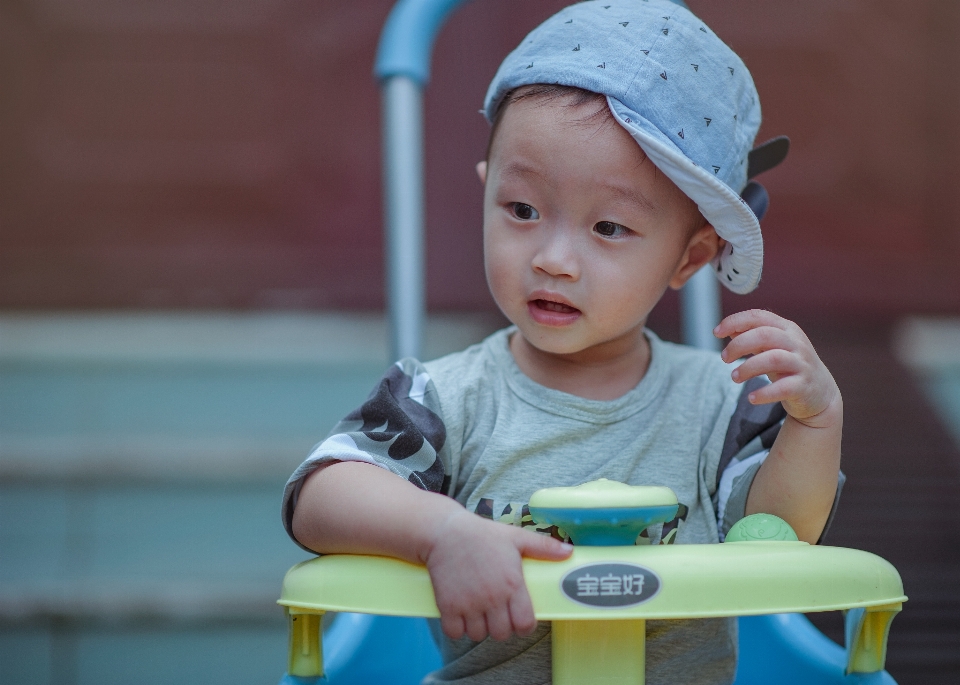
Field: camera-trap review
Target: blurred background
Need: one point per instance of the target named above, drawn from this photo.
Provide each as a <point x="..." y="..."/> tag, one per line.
<point x="191" y="294"/>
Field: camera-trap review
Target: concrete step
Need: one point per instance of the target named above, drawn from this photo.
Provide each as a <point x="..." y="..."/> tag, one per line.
<point x="230" y="654"/>
<point x="142" y="460"/>
<point x="221" y="397"/>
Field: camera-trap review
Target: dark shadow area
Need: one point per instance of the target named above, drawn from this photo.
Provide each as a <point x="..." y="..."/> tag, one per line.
<point x="901" y="500"/>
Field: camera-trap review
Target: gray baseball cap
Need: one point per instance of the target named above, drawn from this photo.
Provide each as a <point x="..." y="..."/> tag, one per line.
<point x="681" y="93"/>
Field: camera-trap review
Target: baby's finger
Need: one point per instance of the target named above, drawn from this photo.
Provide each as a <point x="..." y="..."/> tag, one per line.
<point x="521" y="613"/>
<point x="476" y="626"/>
<point x="735" y="324"/>
<point x="498" y="622"/>
<point x="540" y="546"/>
<point x="771" y="363"/>
<point x="757" y="340"/>
<point x="784" y="389"/>
<point x="452" y="625"/>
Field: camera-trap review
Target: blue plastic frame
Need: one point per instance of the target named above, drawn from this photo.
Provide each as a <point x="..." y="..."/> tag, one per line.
<point x="406" y="41"/>
<point x="785" y="649"/>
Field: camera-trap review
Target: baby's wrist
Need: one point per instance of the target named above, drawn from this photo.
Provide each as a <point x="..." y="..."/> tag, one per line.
<point x="829" y="417"/>
<point x="442" y="529"/>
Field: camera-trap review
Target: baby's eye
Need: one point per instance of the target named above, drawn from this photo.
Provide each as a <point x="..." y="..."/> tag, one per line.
<point x="608" y="229"/>
<point x="524" y="212"/>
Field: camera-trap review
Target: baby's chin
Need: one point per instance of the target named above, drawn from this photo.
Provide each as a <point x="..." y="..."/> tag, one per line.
<point x="548" y="343"/>
<point x="573" y="345"/>
<point x="558" y="343"/>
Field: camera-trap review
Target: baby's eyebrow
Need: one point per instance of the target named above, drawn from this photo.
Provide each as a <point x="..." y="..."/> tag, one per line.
<point x="519" y="170"/>
<point x="632" y="196"/>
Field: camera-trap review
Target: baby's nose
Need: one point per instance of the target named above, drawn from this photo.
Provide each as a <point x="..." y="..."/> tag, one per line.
<point x="557" y="256"/>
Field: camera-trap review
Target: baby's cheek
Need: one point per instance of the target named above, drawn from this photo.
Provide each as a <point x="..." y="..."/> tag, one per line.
<point x="502" y="269"/>
<point x="500" y="288"/>
<point x="632" y="307"/>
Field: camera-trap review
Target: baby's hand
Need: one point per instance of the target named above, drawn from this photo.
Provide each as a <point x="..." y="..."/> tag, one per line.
<point x="475" y="569"/>
<point x="781" y="350"/>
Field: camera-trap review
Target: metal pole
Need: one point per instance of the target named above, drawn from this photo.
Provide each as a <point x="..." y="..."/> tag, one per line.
<point x="700" y="310"/>
<point x="403" y="213"/>
<point x="403" y="69"/>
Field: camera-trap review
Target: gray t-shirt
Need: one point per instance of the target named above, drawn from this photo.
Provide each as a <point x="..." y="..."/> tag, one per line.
<point x="472" y="426"/>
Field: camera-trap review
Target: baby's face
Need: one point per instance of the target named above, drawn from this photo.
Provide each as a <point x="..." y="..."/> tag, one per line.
<point x="582" y="233"/>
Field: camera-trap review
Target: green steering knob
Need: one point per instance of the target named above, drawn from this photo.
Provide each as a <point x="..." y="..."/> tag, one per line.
<point x="761" y="528"/>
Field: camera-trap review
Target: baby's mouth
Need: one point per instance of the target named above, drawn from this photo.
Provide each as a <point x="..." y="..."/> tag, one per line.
<point x="550" y="306"/>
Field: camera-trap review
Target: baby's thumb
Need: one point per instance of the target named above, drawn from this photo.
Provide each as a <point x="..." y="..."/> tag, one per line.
<point x="539" y="546"/>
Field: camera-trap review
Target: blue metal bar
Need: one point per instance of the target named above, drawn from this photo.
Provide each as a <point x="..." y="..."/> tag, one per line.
<point x="406" y="42"/>
<point x="403" y="209"/>
<point x="403" y="68"/>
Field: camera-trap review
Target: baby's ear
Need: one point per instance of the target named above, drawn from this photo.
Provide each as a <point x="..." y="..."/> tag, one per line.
<point x="482" y="171"/>
<point x="703" y="246"/>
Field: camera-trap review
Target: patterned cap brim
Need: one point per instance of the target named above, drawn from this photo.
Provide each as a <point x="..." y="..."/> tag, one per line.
<point x="740" y="263"/>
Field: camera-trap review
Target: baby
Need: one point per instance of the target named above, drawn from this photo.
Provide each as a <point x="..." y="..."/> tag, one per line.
<point x="618" y="152"/>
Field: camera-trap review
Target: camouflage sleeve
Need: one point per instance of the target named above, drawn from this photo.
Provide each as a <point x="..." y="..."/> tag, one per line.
<point x="399" y="428"/>
<point x="750" y="435"/>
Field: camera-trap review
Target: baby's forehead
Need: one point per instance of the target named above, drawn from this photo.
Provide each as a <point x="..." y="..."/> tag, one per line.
<point x="553" y="105"/>
<point x="564" y="145"/>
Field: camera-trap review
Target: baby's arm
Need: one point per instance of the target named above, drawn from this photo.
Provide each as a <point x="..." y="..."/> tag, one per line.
<point x="474" y="563"/>
<point x="798" y="480"/>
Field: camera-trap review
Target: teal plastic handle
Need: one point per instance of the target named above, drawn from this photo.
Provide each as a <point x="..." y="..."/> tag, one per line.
<point x="602" y="527"/>
<point x="406" y="41"/>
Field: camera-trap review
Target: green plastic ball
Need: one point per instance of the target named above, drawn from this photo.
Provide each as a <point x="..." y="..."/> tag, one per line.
<point x="761" y="528"/>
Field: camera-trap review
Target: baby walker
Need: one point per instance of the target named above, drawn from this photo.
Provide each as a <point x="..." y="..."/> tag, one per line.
<point x="600" y="598"/>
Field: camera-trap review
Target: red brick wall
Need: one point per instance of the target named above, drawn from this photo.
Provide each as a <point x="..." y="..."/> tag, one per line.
<point x="185" y="153"/>
<point x="865" y="214"/>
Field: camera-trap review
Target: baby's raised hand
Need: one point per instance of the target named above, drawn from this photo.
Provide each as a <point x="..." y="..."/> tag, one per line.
<point x="781" y="350"/>
<point x="475" y="568"/>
